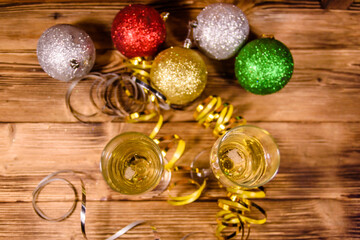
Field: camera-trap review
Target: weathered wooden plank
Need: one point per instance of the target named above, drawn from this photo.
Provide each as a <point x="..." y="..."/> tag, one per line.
<point x="355" y="6"/>
<point x="340" y="182"/>
<point x="287" y="219"/>
<point x="344" y="61"/>
<point x="319" y="95"/>
<point x="329" y="27"/>
<point x="318" y="160"/>
<point x="330" y="78"/>
<point x="314" y="119"/>
<point x="314" y="33"/>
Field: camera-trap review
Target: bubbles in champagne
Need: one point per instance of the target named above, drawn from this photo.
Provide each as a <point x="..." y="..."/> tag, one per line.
<point x="242" y="159"/>
<point x="132" y="166"/>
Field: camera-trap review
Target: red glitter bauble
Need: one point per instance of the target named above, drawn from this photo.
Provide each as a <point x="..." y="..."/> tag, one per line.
<point x="138" y="30"/>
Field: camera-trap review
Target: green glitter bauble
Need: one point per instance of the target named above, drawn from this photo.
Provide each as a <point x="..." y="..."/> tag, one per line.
<point x="264" y="66"/>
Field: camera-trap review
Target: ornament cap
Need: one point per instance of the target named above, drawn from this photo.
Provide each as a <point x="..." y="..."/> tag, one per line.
<point x="271" y="36"/>
<point x="165" y="16"/>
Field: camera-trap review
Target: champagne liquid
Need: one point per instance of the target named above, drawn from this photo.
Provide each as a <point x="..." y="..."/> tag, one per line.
<point x="242" y="160"/>
<point x="133" y="167"/>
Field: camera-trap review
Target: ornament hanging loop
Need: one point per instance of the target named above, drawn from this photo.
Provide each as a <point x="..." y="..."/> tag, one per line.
<point x="165" y="15"/>
<point x="190" y="26"/>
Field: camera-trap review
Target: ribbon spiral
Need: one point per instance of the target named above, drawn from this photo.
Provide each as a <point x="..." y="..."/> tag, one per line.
<point x="235" y="213"/>
<point x="54" y="177"/>
<point x="210" y="110"/>
<point x="213" y="112"/>
<point x="123" y="96"/>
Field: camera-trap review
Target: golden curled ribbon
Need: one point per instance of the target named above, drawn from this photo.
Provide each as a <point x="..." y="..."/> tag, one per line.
<point x="212" y="110"/>
<point x="54" y="177"/>
<point x="183" y="200"/>
<point x="171" y="166"/>
<point x="235" y="193"/>
<point x="119" y="64"/>
<point x="137" y="66"/>
<point x="172" y="140"/>
<point x="236" y="212"/>
<point x="228" y="219"/>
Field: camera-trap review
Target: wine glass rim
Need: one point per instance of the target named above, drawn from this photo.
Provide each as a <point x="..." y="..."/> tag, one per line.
<point x="273" y="141"/>
<point x="158" y="177"/>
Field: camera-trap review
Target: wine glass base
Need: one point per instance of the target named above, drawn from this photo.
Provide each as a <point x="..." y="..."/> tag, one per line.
<point x="200" y="166"/>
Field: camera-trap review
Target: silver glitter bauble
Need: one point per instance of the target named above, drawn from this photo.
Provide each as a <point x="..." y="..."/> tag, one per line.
<point x="66" y="52"/>
<point x="221" y="30"/>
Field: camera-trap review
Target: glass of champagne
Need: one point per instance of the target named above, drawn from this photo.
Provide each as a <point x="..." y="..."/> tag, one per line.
<point x="133" y="164"/>
<point x="245" y="156"/>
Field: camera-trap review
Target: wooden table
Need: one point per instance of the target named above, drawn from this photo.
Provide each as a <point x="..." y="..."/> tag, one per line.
<point x="315" y="120"/>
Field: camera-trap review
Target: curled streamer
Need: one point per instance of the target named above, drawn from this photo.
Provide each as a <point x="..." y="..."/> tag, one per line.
<point x="213" y="113"/>
<point x="118" y="63"/>
<point x="120" y="95"/>
<point x="54" y="177"/>
<point x="210" y="110"/>
<point x="235" y="213"/>
<point x="183" y="200"/>
<point x="171" y="166"/>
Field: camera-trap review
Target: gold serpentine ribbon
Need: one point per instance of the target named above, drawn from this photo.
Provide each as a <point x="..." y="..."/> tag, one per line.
<point x="152" y="96"/>
<point x="213" y="112"/>
<point x="183" y="200"/>
<point x="209" y="111"/>
<point x="171" y="166"/>
<point x="235" y="212"/>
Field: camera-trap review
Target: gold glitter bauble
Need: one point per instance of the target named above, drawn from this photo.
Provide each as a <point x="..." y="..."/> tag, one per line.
<point x="180" y="74"/>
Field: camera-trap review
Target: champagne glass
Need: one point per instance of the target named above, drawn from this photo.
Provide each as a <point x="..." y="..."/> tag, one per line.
<point x="133" y="164"/>
<point x="244" y="157"/>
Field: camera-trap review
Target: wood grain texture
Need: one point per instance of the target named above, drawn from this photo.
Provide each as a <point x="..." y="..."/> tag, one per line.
<point x="304" y="219"/>
<point x="336" y="4"/>
<point x="263" y="20"/>
<point x="314" y="119"/>
<point x="322" y="73"/>
<point x="319" y="162"/>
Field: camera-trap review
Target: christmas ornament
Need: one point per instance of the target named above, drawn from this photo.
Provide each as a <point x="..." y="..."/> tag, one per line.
<point x="221" y="29"/>
<point x="264" y="66"/>
<point x="66" y="52"/>
<point x="180" y="74"/>
<point x="138" y="30"/>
